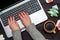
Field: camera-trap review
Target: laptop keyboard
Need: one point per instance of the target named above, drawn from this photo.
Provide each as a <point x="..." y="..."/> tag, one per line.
<point x="31" y="6"/>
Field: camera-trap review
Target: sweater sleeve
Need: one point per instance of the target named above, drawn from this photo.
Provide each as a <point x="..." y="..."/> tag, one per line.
<point x="16" y="35"/>
<point x="35" y="34"/>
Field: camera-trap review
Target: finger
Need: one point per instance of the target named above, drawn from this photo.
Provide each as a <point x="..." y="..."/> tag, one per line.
<point x="13" y="18"/>
<point x="19" y="14"/>
<point x="8" y="21"/>
<point x="21" y="18"/>
<point x="22" y="14"/>
<point x="27" y="14"/>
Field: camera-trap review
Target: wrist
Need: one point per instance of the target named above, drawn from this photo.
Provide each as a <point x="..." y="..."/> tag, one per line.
<point x="15" y="29"/>
<point x="31" y="25"/>
<point x="28" y="24"/>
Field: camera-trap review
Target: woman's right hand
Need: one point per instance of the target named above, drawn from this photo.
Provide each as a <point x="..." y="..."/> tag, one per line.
<point x="24" y="17"/>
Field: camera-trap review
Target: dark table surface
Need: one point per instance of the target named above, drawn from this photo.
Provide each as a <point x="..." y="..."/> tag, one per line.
<point x="25" y="34"/>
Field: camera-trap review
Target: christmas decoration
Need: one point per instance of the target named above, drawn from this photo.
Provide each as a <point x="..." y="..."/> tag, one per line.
<point x="53" y="11"/>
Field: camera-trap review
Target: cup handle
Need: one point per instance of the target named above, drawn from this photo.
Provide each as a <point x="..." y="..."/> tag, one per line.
<point x="54" y="32"/>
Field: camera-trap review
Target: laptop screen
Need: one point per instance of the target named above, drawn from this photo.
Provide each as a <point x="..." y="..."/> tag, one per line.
<point x="6" y="3"/>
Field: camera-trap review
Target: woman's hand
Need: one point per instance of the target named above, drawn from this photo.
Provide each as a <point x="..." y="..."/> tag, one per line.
<point x="24" y="17"/>
<point x="13" y="24"/>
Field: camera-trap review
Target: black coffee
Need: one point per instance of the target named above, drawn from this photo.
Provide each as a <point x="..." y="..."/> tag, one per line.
<point x="50" y="26"/>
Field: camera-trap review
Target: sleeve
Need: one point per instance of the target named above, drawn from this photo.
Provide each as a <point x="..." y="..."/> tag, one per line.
<point x="16" y="35"/>
<point x="35" y="34"/>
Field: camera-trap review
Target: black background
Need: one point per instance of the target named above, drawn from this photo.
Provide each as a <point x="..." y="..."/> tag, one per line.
<point x="7" y="3"/>
<point x="25" y="34"/>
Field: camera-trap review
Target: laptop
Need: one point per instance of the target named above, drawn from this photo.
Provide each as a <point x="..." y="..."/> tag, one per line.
<point x="12" y="8"/>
